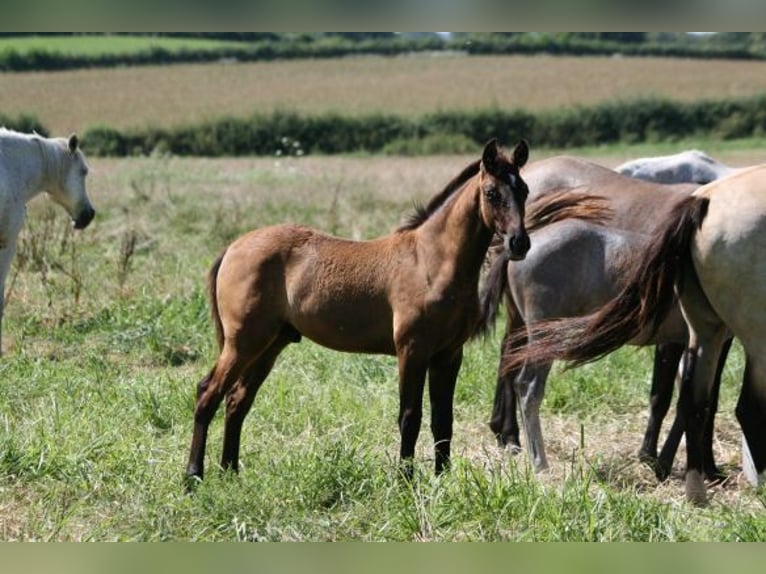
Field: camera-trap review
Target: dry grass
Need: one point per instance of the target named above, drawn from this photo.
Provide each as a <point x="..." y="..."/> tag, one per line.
<point x="414" y="84"/>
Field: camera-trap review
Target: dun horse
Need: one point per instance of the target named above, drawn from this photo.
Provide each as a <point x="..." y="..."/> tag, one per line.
<point x="30" y="164"/>
<point x="710" y="251"/>
<point x="412" y="294"/>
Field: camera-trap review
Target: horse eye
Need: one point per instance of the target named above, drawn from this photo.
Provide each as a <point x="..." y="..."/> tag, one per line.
<point x="493" y="196"/>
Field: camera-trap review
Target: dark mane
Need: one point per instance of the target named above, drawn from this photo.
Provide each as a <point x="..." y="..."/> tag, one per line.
<point x="422" y="213"/>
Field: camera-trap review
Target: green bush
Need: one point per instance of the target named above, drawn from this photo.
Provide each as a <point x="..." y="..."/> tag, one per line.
<point x="23" y="123"/>
<point x="289" y="133"/>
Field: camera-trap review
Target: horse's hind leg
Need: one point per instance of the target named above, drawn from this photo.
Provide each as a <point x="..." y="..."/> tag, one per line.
<point x="668" y="453"/>
<point x="530" y="389"/>
<point x="751" y="414"/>
<point x="666" y="359"/>
<point x="210" y="393"/>
<point x="240" y="397"/>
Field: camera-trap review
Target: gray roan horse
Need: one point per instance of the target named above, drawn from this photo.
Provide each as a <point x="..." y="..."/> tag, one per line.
<point x="573" y="268"/>
<point x="412" y="294"/>
<point x="710" y="251"/>
<point x="29" y="165"/>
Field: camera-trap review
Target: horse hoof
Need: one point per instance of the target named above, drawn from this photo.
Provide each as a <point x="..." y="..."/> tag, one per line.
<point x="716" y="475"/>
<point x="653" y="463"/>
<point x="191" y="482"/>
<point x="514" y="449"/>
<point x="696" y="493"/>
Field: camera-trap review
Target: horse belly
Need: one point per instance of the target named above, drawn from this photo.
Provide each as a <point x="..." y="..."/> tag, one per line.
<point x="349" y="324"/>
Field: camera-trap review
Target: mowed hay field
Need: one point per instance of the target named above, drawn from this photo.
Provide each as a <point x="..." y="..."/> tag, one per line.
<point x="414" y="84"/>
<point x="107" y="334"/>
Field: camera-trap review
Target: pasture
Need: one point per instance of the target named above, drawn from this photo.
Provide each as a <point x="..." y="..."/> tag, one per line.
<point x="107" y="334"/>
<point x="414" y="84"/>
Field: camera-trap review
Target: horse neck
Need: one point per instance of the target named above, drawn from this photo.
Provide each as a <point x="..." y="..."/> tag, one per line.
<point x="33" y="162"/>
<point x="456" y="234"/>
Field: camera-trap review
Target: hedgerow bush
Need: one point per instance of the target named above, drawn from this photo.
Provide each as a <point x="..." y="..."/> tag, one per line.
<point x="290" y="133"/>
<point x="23" y="123"/>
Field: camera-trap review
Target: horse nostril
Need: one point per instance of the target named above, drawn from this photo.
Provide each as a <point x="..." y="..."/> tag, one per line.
<point x="85" y="217"/>
<point x="524" y="244"/>
<point x="517" y="246"/>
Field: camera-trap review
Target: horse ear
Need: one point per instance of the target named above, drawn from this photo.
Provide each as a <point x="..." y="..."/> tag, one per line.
<point x="489" y="155"/>
<point x="520" y="154"/>
<point x="74" y="142"/>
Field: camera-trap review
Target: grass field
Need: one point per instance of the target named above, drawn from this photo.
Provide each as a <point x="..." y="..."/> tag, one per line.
<point x="414" y="84"/>
<point x="107" y="333"/>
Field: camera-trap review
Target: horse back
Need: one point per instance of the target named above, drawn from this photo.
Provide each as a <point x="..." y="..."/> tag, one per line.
<point x="333" y="291"/>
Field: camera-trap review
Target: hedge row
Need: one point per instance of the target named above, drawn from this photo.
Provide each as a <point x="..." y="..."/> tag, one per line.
<point x="286" y="133"/>
<point x="336" y="46"/>
<point x="24" y="123"/>
<point x="331" y="47"/>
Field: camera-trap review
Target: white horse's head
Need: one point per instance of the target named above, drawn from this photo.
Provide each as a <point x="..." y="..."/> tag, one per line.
<point x="67" y="186"/>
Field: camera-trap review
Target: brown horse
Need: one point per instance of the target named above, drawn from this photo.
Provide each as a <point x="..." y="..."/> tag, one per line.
<point x="710" y="251"/>
<point x="536" y="290"/>
<point x="412" y="294"/>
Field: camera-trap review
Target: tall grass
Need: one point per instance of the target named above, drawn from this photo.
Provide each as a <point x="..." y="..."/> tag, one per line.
<point x="97" y="390"/>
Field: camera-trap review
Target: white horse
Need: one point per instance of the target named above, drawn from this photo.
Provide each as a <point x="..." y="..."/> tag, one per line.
<point x="692" y="166"/>
<point x="30" y="164"/>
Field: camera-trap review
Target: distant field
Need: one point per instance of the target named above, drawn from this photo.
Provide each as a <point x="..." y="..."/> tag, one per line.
<point x="101" y="45"/>
<point x="414" y="84"/>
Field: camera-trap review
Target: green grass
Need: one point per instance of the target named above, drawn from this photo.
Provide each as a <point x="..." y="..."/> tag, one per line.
<point x="104" y="350"/>
<point x="105" y="45"/>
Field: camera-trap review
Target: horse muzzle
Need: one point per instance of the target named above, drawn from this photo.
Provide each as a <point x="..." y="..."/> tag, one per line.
<point x="516" y="246"/>
<point x="84" y="218"/>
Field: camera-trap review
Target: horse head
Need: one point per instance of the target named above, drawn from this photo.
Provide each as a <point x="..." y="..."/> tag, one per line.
<point x="503" y="194"/>
<point x="67" y="188"/>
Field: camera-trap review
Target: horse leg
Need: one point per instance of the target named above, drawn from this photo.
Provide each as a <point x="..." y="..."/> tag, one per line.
<point x="442" y="377"/>
<point x="751" y="414"/>
<point x="666" y="358"/>
<point x="530" y="388"/>
<point x="6" y="255"/>
<point x="712" y="472"/>
<point x="504" y="423"/>
<point x="210" y="393"/>
<point x="669" y="449"/>
<point x="240" y="398"/>
<point x="707" y="335"/>
<point x="412" y="378"/>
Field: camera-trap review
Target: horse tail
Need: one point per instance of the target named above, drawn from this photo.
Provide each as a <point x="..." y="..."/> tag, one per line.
<point x="566" y="204"/>
<point x="641" y="306"/>
<point x="212" y="289"/>
<point x="544" y="210"/>
<point x="491" y="292"/>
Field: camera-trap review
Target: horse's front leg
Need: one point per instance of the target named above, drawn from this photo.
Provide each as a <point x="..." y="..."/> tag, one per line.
<point x="412" y="377"/>
<point x="6" y="255"/>
<point x="442" y="377"/>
